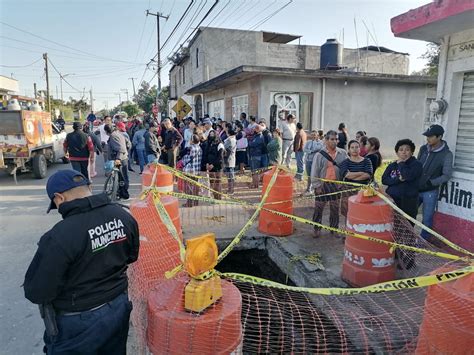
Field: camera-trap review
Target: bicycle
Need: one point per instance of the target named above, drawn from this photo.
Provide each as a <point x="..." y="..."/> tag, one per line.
<point x="114" y="180"/>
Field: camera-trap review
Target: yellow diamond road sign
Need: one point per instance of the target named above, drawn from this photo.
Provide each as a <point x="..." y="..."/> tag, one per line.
<point x="181" y="108"/>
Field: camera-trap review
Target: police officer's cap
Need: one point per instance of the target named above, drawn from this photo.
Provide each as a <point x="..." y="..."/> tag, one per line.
<point x="61" y="181"/>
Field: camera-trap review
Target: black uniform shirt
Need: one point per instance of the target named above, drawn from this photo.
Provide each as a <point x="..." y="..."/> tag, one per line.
<point x="82" y="261"/>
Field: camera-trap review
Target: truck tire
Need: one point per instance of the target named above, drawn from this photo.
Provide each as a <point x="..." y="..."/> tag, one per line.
<point x="40" y="166"/>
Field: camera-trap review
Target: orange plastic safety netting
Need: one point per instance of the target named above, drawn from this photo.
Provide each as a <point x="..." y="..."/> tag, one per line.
<point x="255" y="318"/>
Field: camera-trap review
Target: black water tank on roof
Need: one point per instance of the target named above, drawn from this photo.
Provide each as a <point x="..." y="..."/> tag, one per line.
<point x="331" y="55"/>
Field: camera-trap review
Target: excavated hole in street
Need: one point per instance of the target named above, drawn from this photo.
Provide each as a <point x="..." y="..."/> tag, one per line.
<point x="255" y="262"/>
<point x="271" y="314"/>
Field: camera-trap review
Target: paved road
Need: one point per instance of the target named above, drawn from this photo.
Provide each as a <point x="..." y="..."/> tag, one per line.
<point x="23" y="220"/>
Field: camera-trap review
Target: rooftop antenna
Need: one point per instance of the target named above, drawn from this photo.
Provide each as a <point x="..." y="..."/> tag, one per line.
<point x="367" y="51"/>
<point x="373" y="39"/>
<point x="357" y="43"/>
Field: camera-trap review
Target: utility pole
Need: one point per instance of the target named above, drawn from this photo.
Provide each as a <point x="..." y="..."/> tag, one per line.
<point x="45" y="57"/>
<point x="61" y="85"/>
<point x="35" y="91"/>
<point x="126" y="92"/>
<point x="133" y="83"/>
<point x="92" y="100"/>
<point x="158" y="66"/>
<point x="61" y="78"/>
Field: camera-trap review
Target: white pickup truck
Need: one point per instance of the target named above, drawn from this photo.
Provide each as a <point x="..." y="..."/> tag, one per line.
<point x="29" y="141"/>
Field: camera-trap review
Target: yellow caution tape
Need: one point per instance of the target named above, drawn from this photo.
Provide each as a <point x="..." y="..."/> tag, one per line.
<point x="411" y="219"/>
<point x="241" y="233"/>
<point x="396" y="285"/>
<point x="417" y="282"/>
<point x="393" y="245"/>
<point x="166" y="219"/>
<point x="373" y="239"/>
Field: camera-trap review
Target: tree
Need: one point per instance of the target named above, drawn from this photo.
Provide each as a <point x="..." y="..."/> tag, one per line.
<point x="432" y="56"/>
<point x="131" y="109"/>
<point x="146" y="97"/>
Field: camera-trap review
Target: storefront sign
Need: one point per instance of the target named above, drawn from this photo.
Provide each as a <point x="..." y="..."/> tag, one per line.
<point x="455" y="199"/>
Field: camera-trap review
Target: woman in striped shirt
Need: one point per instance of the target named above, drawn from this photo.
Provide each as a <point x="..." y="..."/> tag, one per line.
<point x="356" y="168"/>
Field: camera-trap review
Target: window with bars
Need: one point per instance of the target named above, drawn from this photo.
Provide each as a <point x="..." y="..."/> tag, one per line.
<point x="239" y="104"/>
<point x="216" y="108"/>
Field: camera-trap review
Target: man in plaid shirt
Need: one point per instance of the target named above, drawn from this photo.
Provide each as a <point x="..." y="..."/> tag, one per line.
<point x="192" y="165"/>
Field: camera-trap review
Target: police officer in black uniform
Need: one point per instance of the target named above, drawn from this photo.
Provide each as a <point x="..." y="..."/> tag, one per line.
<point x="78" y="274"/>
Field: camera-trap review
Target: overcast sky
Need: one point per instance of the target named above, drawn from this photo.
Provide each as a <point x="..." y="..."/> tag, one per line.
<point x="102" y="43"/>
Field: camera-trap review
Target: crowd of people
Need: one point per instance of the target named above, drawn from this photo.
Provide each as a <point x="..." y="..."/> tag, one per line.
<point x="215" y="149"/>
<point x="96" y="239"/>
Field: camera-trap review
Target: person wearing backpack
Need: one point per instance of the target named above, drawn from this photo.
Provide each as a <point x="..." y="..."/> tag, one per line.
<point x="326" y="165"/>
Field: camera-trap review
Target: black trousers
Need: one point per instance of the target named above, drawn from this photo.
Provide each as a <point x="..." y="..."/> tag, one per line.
<point x="409" y="205"/>
<point x="81" y="166"/>
<point x="99" y="331"/>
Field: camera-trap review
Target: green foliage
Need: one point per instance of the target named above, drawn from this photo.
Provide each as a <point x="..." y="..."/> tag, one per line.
<point x="146" y="97"/>
<point x="131" y="109"/>
<point x="164" y="98"/>
<point x="68" y="108"/>
<point x="432" y="57"/>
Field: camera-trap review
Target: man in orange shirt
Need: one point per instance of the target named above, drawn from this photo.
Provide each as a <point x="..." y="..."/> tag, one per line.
<point x="326" y="166"/>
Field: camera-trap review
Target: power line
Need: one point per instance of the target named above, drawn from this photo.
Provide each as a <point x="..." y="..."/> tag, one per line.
<point x="141" y="37"/>
<point x="261" y="22"/>
<point x="162" y="30"/>
<point x="56" y="55"/>
<point x="271" y="15"/>
<point x="202" y="20"/>
<point x="223" y="8"/>
<point x="188" y="26"/>
<point x="67" y="82"/>
<point x="244" y="11"/>
<point x="76" y="55"/>
<point x="178" y="24"/>
<point x="62" y="45"/>
<point x="20" y="66"/>
<point x="106" y="72"/>
<point x="258" y="13"/>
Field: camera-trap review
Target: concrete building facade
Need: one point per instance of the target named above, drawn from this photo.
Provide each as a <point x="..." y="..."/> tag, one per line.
<point x="388" y="107"/>
<point x="450" y="23"/>
<point x="225" y="72"/>
<point x="215" y="51"/>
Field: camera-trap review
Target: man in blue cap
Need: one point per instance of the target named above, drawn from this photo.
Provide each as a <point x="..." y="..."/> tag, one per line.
<point x="437" y="162"/>
<point x="78" y="274"/>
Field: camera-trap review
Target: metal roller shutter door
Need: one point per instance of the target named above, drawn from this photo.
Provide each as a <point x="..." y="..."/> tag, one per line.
<point x="464" y="154"/>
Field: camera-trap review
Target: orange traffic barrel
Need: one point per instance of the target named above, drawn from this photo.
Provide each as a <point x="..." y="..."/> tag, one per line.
<point x="159" y="251"/>
<point x="448" y="319"/>
<point x="163" y="179"/>
<point x="173" y="330"/>
<point x="366" y="262"/>
<point x="282" y="192"/>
